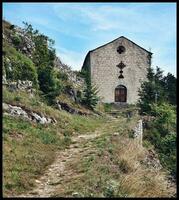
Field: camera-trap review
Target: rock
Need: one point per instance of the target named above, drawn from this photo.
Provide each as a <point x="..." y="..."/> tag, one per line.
<point x="5" y="106"/>
<point x="152" y="161"/>
<point x="59" y="106"/>
<point x="116" y="134"/>
<point x="38" y="118"/>
<point x="76" y="194"/>
<point x="37" y="181"/>
<point x="20" y="85"/>
<point x="4" y="80"/>
<point x="15" y="111"/>
<point x="32" y="116"/>
<point x="138" y="131"/>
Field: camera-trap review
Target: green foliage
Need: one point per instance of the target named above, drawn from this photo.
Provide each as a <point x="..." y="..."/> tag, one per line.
<point x="169" y="83"/>
<point x="18" y="66"/>
<point x="107" y="107"/>
<point x="43" y="58"/>
<point x="162" y="134"/>
<point x="151" y="91"/>
<point x="44" y="54"/>
<point x="157" y="89"/>
<point x="90" y="98"/>
<point x="168" y="153"/>
<point x="49" y="84"/>
<point x="165" y="117"/>
<point x="16" y="40"/>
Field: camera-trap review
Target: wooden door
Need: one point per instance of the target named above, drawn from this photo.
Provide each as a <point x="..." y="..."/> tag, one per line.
<point x="120" y="94"/>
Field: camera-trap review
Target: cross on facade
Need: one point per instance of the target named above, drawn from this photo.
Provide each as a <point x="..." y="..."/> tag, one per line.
<point x="121" y="65"/>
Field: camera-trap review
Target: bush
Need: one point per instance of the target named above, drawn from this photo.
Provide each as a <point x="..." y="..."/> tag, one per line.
<point x="168" y="153"/>
<point x="162" y="134"/>
<point x="16" y="40"/>
<point x="19" y="66"/>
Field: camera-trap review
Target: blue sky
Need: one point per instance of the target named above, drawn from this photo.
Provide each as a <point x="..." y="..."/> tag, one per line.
<point x="80" y="27"/>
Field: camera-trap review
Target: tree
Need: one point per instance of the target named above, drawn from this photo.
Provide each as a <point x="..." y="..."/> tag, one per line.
<point x="169" y="83"/>
<point x="90" y="98"/>
<point x="43" y="58"/>
<point x="151" y="91"/>
<point x="49" y="84"/>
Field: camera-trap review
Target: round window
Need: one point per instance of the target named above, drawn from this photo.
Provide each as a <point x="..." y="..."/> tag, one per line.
<point x="121" y="49"/>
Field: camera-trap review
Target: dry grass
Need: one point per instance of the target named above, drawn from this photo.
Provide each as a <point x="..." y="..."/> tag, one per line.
<point x="115" y="170"/>
<point x="140" y="181"/>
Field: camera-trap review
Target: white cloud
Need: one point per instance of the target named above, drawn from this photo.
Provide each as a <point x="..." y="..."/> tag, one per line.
<point x="155" y="30"/>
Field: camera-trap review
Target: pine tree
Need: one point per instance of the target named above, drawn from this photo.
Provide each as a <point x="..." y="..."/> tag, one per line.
<point x="169" y="83"/>
<point x="151" y="91"/>
<point x="90" y="98"/>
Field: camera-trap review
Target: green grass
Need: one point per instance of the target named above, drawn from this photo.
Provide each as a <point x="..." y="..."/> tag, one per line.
<point x="69" y="123"/>
<point x="110" y="170"/>
<point x="30" y="147"/>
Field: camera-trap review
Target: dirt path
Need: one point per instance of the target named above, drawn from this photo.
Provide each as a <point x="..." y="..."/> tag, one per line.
<point x="58" y="173"/>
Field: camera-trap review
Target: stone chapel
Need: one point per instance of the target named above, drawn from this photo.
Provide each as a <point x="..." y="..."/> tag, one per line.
<point x="117" y="69"/>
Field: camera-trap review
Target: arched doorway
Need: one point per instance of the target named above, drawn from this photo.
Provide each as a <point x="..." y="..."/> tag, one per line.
<point x="120" y="93"/>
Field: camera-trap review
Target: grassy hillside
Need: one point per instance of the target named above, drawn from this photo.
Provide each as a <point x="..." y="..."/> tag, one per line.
<point x="29" y="147"/>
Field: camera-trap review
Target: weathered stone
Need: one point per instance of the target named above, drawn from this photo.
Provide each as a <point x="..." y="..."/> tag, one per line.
<point x="32" y="116"/>
<point x="138" y="131"/>
<point x="4" y="80"/>
<point x="152" y="160"/>
<point x="116" y="134"/>
<point x="15" y="111"/>
<point x="5" y="106"/>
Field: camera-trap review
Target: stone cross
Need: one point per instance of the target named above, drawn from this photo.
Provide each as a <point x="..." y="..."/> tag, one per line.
<point x="121" y="65"/>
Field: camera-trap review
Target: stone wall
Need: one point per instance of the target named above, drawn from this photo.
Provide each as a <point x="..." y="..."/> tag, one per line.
<point x="104" y="72"/>
<point x="138" y="132"/>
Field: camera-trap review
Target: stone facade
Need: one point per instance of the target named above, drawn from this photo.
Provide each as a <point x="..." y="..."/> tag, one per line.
<point x="102" y="63"/>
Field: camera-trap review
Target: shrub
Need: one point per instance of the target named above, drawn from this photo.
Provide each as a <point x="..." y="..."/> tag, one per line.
<point x="19" y="66"/>
<point x="16" y="40"/>
<point x="162" y="134"/>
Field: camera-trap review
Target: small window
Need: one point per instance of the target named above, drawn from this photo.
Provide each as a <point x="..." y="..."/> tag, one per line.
<point x="121" y="49"/>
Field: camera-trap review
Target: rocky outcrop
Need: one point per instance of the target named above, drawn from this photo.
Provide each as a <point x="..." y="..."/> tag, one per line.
<point x="26" y="44"/>
<point x="17" y="111"/>
<point x="152" y="161"/>
<point x="77" y="81"/>
<point x="70" y="109"/>
<point x="19" y="85"/>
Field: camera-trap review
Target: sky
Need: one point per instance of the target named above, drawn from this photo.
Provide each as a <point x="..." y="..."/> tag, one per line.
<point x="80" y="27"/>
